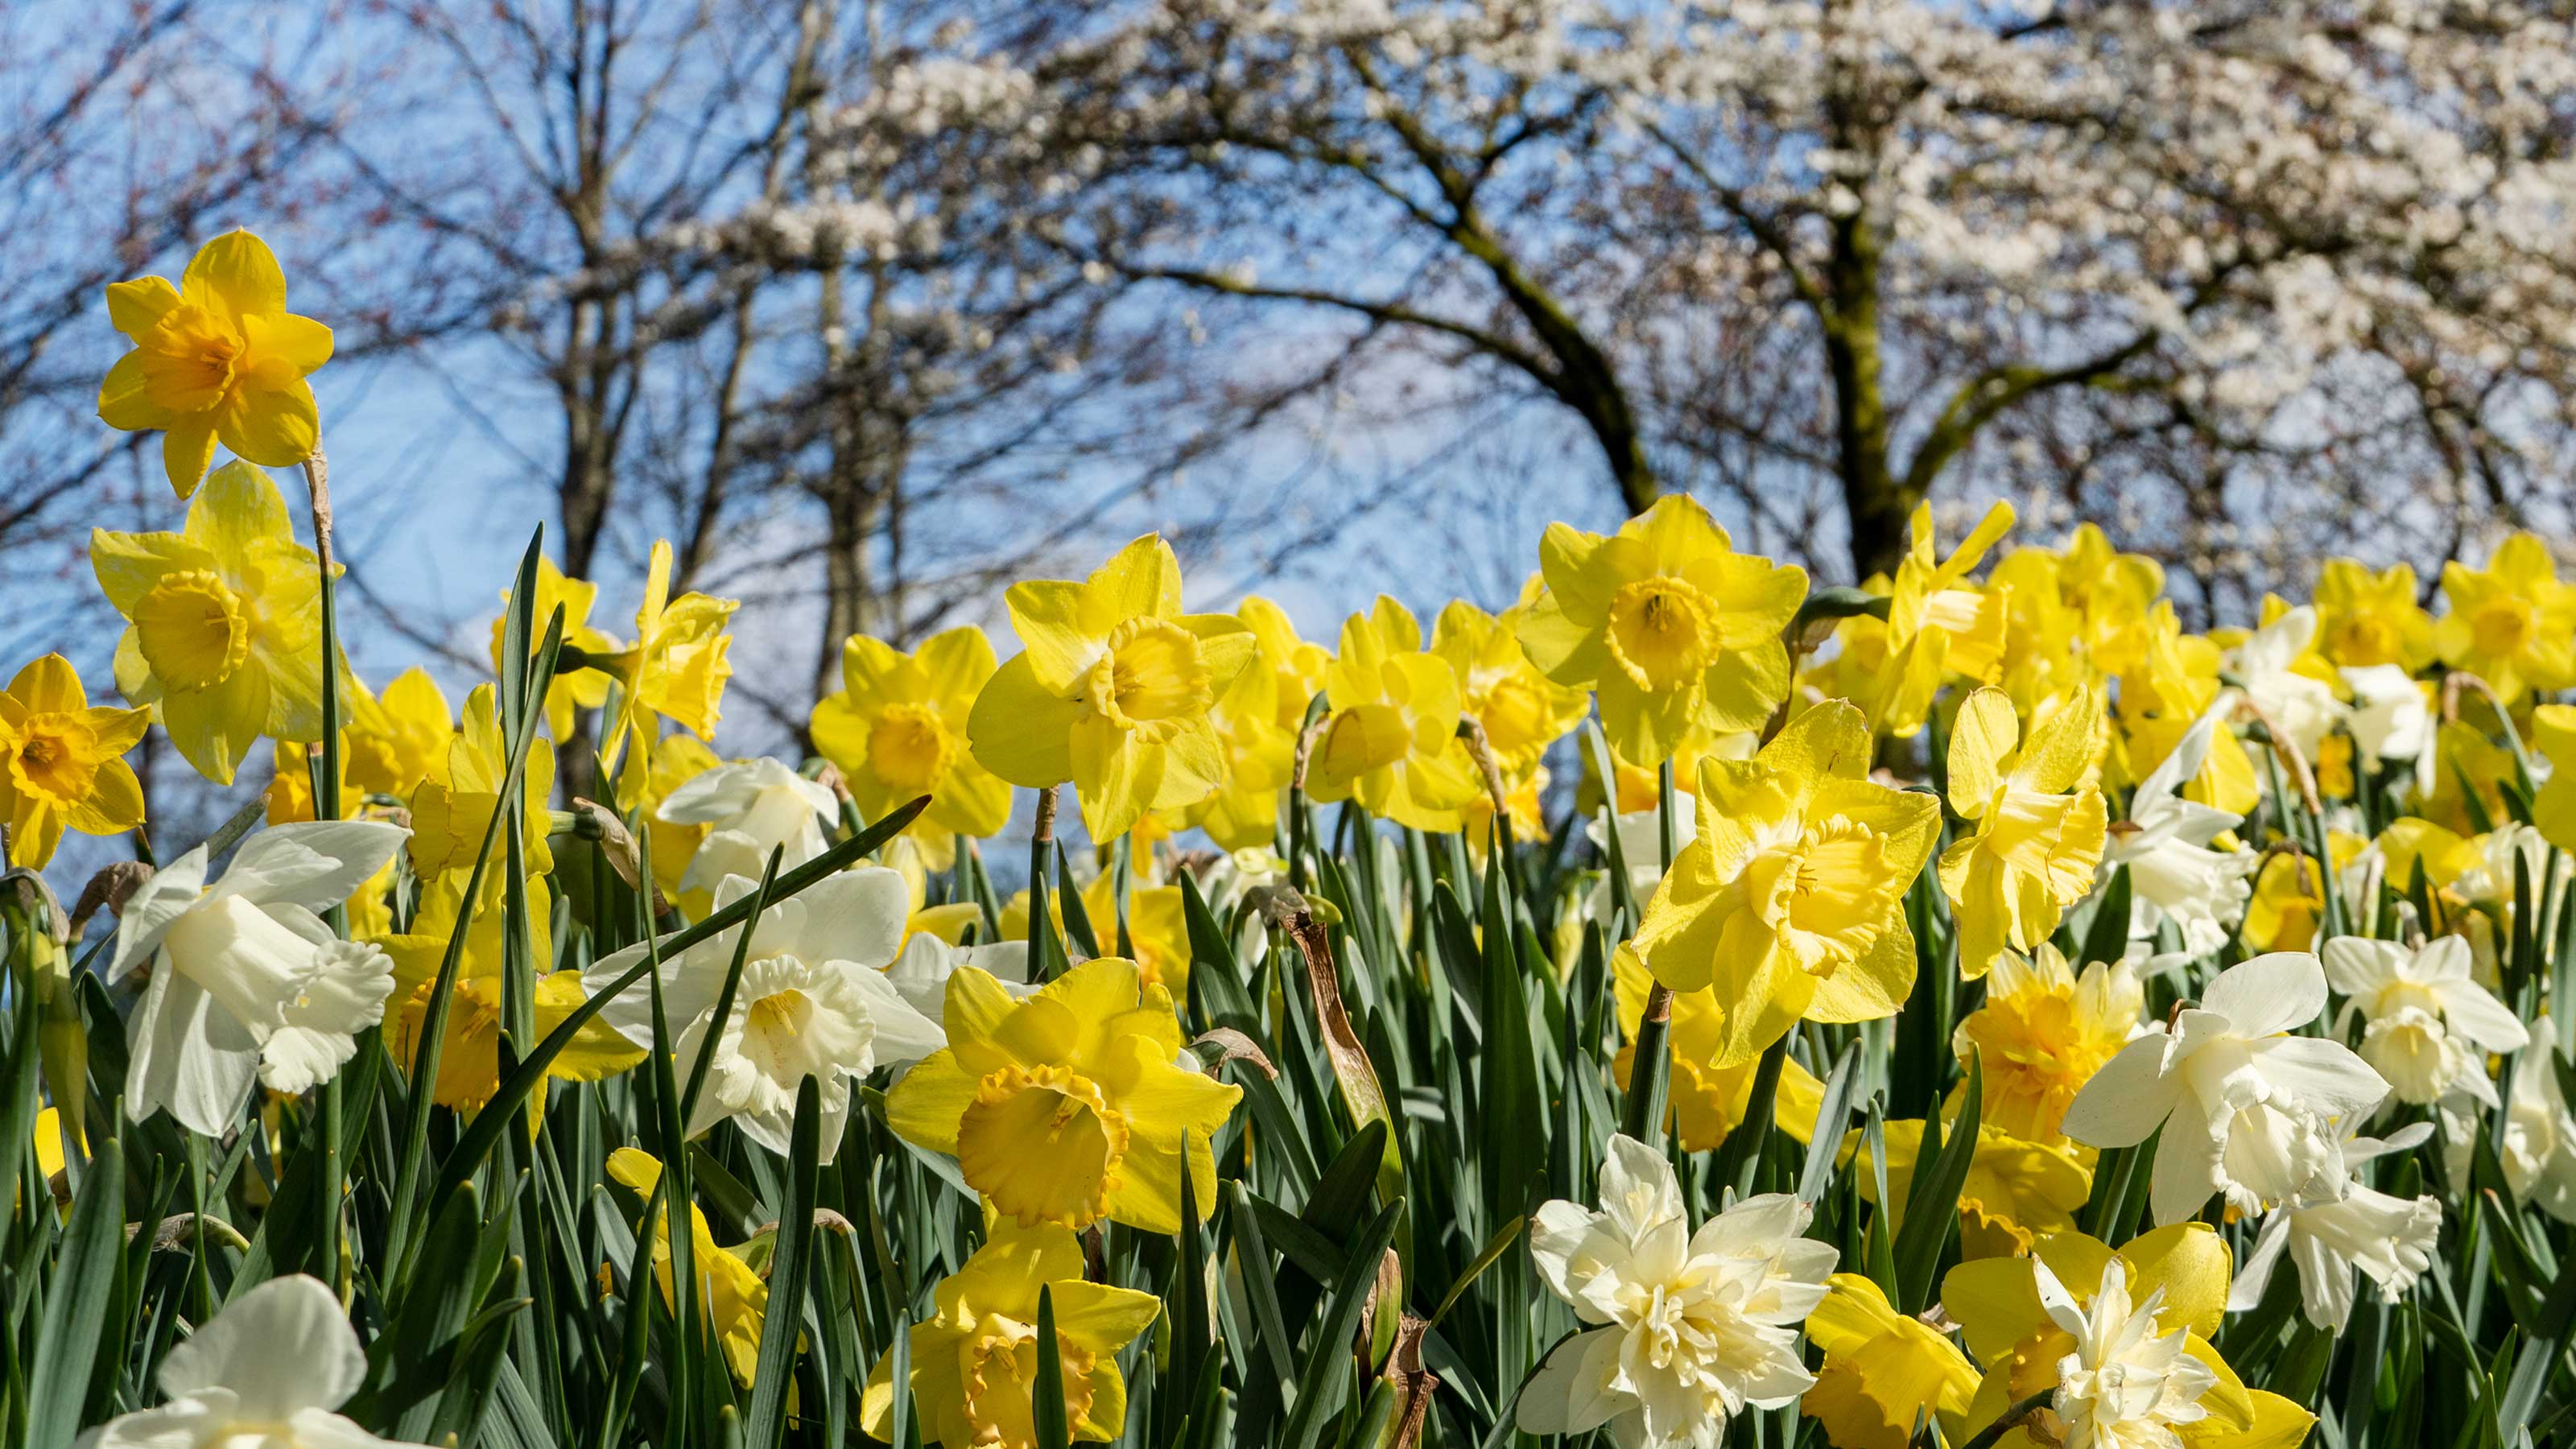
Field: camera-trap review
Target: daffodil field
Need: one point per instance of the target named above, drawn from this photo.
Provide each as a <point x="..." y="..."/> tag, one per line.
<point x="1689" y="1008"/>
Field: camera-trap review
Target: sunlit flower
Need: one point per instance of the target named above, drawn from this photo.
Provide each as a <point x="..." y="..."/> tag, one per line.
<point x="1521" y="710"/>
<point x="245" y="980"/>
<point x="570" y="689"/>
<point x="1938" y="627"/>
<point x="1673" y="628"/>
<point x="732" y="1296"/>
<point x="1685" y="1330"/>
<point x="1393" y="741"/>
<point x="921" y="969"/>
<point x="2039" y="823"/>
<point x="217" y="356"/>
<point x="2370" y="620"/>
<point x="975" y="1358"/>
<point x="2537" y="1142"/>
<point x="2513" y="623"/>
<point x="2353" y="1228"/>
<point x="2391" y="719"/>
<point x="1112" y="691"/>
<point x="2428" y="1026"/>
<point x="2173" y="683"/>
<point x="2175" y="871"/>
<point x="813" y="1001"/>
<point x="897" y="730"/>
<point x="676" y="668"/>
<point x="267" y="1371"/>
<point x="469" y="1059"/>
<point x="224" y="622"/>
<point x="2043" y="1031"/>
<point x="2284" y="678"/>
<point x="1072" y="1105"/>
<point x="1790" y="902"/>
<point x="1882" y="1370"/>
<point x="2015" y="1190"/>
<point x="2247" y="1107"/>
<point x="750" y="808"/>
<point x="1706" y="1102"/>
<point x="62" y="762"/>
<point x="2124" y="1381"/>
<point x="451" y="809"/>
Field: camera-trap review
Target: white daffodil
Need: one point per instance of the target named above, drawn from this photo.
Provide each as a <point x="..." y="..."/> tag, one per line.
<point x="2538" y="1143"/>
<point x="751" y="808"/>
<point x="2247" y="1109"/>
<point x="2124" y="1384"/>
<point x="921" y="970"/>
<point x="814" y="1001"/>
<point x="1227" y="882"/>
<point x="2302" y="705"/>
<point x="2390" y="720"/>
<point x="2429" y="1024"/>
<point x="2388" y="1239"/>
<point x="267" y="1371"/>
<point x="1692" y="1328"/>
<point x="2174" y="872"/>
<point x="1641" y="841"/>
<point x="246" y="980"/>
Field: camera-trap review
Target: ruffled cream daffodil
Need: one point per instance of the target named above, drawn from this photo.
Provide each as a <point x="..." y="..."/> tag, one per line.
<point x="2176" y="872"/>
<point x="2043" y="1032"/>
<point x="1684" y="1330"/>
<point x="2355" y="1228"/>
<point x="2428" y="1024"/>
<point x="268" y="1371"/>
<point x="749" y="808"/>
<point x="814" y="1001"/>
<point x="245" y="981"/>
<point x="2247" y="1108"/>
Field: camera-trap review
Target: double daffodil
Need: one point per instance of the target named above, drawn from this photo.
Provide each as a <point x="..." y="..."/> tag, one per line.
<point x="2040" y="822"/>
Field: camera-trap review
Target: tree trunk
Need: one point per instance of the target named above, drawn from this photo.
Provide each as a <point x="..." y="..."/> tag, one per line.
<point x="1875" y="501"/>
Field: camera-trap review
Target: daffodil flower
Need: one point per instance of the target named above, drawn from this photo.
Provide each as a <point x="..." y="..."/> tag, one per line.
<point x="1684" y="1330"/>
<point x="269" y="1370"/>
<point x="1113" y="690"/>
<point x="732" y="1296"/>
<point x="2043" y="1031"/>
<point x="469" y="1063"/>
<point x="1667" y="623"/>
<point x="1521" y="710"/>
<point x="1790" y="901"/>
<point x="2390" y="718"/>
<point x="897" y="730"/>
<point x="451" y="809"/>
<point x="217" y="356"/>
<point x="570" y="689"/>
<point x="749" y="808"/>
<point x="1937" y="626"/>
<point x="1706" y="1101"/>
<point x="245" y="980"/>
<point x="2356" y="1228"/>
<point x="2369" y="620"/>
<point x="1071" y="1105"/>
<point x="224" y="622"/>
<point x="1393" y="741"/>
<point x="814" y="1001"/>
<point x="1258" y="729"/>
<point x="2513" y="623"/>
<point x="2279" y="671"/>
<point x="975" y="1359"/>
<point x="2176" y="873"/>
<point x="2537" y="1141"/>
<point x="1882" y="1370"/>
<point x="921" y="969"/>
<point x="62" y="762"/>
<point x="2040" y="824"/>
<point x="2246" y="1107"/>
<point x="2428" y="1025"/>
<point x="676" y="668"/>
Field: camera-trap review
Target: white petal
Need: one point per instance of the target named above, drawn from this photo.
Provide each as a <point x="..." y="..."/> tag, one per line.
<point x="153" y="909"/>
<point x="2268" y="994"/>
<point x="2186" y="1169"/>
<point x="2324" y="1077"/>
<point x="315" y="1429"/>
<point x="856" y="916"/>
<point x="2474" y="1014"/>
<point x="904" y="1035"/>
<point x="1570" y="1393"/>
<point x="344" y="996"/>
<point x="2357" y="965"/>
<point x="2325" y="1282"/>
<point x="714" y="795"/>
<point x="2255" y="1273"/>
<point x="187" y="1056"/>
<point x="282" y="1347"/>
<point x="2128" y="1098"/>
<point x="180" y="1424"/>
<point x="316" y="864"/>
<point x="1637" y="1187"/>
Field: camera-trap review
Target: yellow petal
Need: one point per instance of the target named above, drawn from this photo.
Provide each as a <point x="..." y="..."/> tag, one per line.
<point x="235" y="274"/>
<point x="125" y="398"/>
<point x="1019" y="730"/>
<point x="135" y="308"/>
<point x="187" y="450"/>
<point x="1981" y="739"/>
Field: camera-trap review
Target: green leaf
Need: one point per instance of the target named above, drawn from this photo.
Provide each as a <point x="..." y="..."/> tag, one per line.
<point x="83" y="1282"/>
<point x="1046" y="1398"/>
<point x="1842" y="1085"/>
<point x="785" y="1313"/>
<point x="1932" y="1207"/>
<point x="1320" y="1386"/>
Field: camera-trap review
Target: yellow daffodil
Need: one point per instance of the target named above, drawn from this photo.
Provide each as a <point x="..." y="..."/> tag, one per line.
<point x="2015" y="1191"/>
<point x="572" y="688"/>
<point x="897" y="731"/>
<point x="2512" y="623"/>
<point x="975" y="1359"/>
<point x="1158" y="932"/>
<point x="1937" y="626"/>
<point x="1790" y="900"/>
<point x="2039" y="822"/>
<point x="2171" y="685"/>
<point x="1296" y="665"/>
<point x="392" y="742"/>
<point x="2174" y="1278"/>
<point x="731" y="1295"/>
<point x="216" y="357"/>
<point x="674" y="761"/>
<point x="2043" y="1032"/>
<point x="1707" y="1101"/>
<point x="1113" y="691"/>
<point x="1522" y="799"/>
<point x="2410" y="844"/>
<point x="1068" y="1106"/>
<point x="1393" y="741"/>
<point x="2366" y="618"/>
<point x="469" y="1061"/>
<point x="676" y="668"/>
<point x="2288" y="906"/>
<point x="1882" y="1370"/>
<point x="1521" y="710"/>
<point x="2553" y="738"/>
<point x="62" y="762"/>
<point x="224" y="622"/>
<point x="2073" y="617"/>
<point x="450" y="811"/>
<point x="1667" y="623"/>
